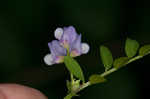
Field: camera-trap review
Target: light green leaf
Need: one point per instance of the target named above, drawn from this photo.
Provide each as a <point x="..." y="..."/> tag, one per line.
<point x="74" y="67"/>
<point x="144" y="50"/>
<point x="131" y="47"/>
<point x="94" y="79"/>
<point x="106" y="57"/>
<point x="119" y="62"/>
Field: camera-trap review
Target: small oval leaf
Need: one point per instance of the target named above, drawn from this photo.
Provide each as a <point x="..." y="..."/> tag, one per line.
<point x="74" y="67"/>
<point x="94" y="79"/>
<point x="131" y="47"/>
<point x="119" y="62"/>
<point x="106" y="57"/>
<point x="144" y="50"/>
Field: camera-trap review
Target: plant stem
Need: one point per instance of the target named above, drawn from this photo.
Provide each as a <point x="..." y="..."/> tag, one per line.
<point x="103" y="75"/>
<point x="72" y="79"/>
<point x="108" y="72"/>
<point x="134" y="59"/>
<point x="69" y="96"/>
<point x="84" y="85"/>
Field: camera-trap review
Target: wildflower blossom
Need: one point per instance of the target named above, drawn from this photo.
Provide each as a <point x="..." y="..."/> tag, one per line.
<point x="67" y="41"/>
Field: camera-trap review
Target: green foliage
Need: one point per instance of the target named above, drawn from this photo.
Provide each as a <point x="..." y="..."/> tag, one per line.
<point x="106" y="57"/>
<point x="131" y="47"/>
<point x="74" y="67"/>
<point x="119" y="62"/>
<point x="144" y="50"/>
<point x="94" y="79"/>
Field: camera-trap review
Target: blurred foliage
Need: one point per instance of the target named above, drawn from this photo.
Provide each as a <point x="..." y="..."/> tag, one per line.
<point x="27" y="25"/>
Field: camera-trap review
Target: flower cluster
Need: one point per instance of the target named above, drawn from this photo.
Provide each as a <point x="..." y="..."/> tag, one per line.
<point x="68" y="41"/>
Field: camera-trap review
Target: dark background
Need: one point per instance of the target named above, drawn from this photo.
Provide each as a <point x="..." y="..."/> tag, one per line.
<point x="26" y="26"/>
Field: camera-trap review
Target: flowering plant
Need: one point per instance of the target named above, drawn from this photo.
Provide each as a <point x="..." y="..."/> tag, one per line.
<point x="68" y="42"/>
<point x="68" y="45"/>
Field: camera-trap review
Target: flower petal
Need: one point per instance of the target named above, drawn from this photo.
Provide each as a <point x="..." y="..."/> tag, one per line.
<point x="85" y="48"/>
<point x="76" y="47"/>
<point x="58" y="33"/>
<point x="69" y="36"/>
<point x="59" y="59"/>
<point x="48" y="59"/>
<point x="56" y="49"/>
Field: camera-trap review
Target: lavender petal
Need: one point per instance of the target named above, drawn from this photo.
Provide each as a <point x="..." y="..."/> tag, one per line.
<point x="56" y="49"/>
<point x="69" y="35"/>
<point x="76" y="46"/>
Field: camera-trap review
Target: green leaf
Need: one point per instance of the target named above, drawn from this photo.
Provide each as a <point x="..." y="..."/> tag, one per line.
<point x="106" y="57"/>
<point x="119" y="62"/>
<point x="94" y="79"/>
<point x="74" y="67"/>
<point x="144" y="50"/>
<point x="131" y="47"/>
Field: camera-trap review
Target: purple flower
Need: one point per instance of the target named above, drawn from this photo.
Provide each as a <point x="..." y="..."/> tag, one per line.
<point x="67" y="40"/>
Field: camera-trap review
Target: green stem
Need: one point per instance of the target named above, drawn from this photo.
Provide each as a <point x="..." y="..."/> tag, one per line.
<point x="103" y="75"/>
<point x="83" y="86"/>
<point x="72" y="79"/>
<point x="69" y="96"/>
<point x="68" y="53"/>
<point x="134" y="59"/>
<point x="111" y="71"/>
<point x="108" y="72"/>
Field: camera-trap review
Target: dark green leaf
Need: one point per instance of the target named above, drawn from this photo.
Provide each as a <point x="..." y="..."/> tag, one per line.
<point x="144" y="50"/>
<point x="131" y="47"/>
<point x="74" y="67"/>
<point x="119" y="62"/>
<point x="94" y="79"/>
<point x="106" y="57"/>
